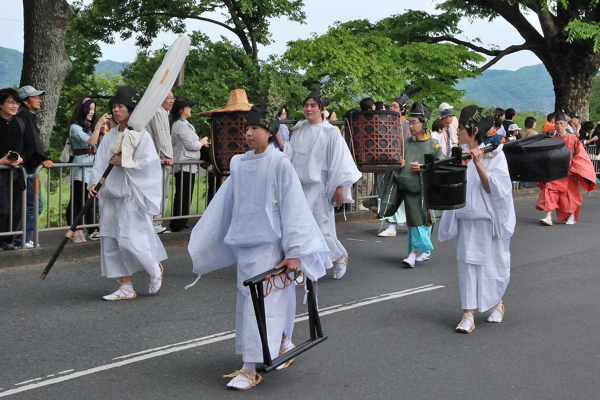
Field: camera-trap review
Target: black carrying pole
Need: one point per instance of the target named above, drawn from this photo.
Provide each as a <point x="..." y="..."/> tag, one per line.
<point x="457" y="154"/>
<point x="316" y="333"/>
<point x="76" y="221"/>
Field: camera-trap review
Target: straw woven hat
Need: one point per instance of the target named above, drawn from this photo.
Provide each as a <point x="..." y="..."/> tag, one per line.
<point x="238" y="101"/>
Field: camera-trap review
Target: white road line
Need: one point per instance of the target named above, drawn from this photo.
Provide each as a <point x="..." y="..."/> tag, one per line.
<point x="199" y="341"/>
<point x="31" y="380"/>
<point x="64" y="372"/>
<point x="366" y="241"/>
<point x="164" y="350"/>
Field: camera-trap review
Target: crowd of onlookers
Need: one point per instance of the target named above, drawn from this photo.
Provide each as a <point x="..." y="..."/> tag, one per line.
<point x="20" y="144"/>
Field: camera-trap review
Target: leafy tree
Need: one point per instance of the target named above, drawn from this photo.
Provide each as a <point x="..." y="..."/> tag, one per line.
<point x="359" y="58"/>
<point x="212" y="70"/>
<point x="568" y="45"/>
<point x="246" y="19"/>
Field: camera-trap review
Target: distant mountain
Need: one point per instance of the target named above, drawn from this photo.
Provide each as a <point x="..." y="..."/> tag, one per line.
<point x="116" y="68"/>
<point x="528" y="88"/>
<point x="11" y="62"/>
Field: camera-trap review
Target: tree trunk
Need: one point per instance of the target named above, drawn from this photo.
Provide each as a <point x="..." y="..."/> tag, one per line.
<point x="573" y="70"/>
<point x="45" y="60"/>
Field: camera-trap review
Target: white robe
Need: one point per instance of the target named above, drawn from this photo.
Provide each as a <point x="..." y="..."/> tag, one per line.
<point x="128" y="199"/>
<point x="323" y="162"/>
<point x="482" y="230"/>
<point x="257" y="218"/>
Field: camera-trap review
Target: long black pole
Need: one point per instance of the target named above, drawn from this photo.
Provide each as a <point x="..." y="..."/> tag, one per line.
<point x="76" y="221"/>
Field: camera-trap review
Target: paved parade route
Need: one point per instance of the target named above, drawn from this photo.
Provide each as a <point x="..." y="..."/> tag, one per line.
<point x="390" y="329"/>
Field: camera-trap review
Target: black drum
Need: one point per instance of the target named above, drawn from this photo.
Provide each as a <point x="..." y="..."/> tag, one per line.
<point x="376" y="140"/>
<point x="444" y="186"/>
<point x="543" y="160"/>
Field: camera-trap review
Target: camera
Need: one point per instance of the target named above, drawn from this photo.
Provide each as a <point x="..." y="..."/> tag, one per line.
<point x="13" y="156"/>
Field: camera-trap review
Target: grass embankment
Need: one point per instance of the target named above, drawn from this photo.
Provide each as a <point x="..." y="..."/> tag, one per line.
<point x="60" y="192"/>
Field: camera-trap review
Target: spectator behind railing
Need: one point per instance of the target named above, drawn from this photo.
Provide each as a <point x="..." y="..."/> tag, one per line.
<point x="14" y="149"/>
<point x="186" y="146"/>
<point x="84" y="143"/>
<point x="587" y="134"/>
<point x="31" y="104"/>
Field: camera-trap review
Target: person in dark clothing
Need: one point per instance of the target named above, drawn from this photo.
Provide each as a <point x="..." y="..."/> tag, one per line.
<point x="14" y="150"/>
<point x="30" y="105"/>
<point x="509" y="119"/>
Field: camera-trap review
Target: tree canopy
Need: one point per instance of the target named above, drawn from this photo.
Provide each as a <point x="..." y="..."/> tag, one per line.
<point x="359" y="58"/>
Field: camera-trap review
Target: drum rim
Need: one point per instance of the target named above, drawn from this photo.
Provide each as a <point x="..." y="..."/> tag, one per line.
<point x="535" y="147"/>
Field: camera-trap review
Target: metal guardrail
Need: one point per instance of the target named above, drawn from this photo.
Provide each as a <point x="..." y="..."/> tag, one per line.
<point x="56" y="187"/>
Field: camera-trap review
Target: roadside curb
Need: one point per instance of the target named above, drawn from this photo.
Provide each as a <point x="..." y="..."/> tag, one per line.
<point x="76" y="252"/>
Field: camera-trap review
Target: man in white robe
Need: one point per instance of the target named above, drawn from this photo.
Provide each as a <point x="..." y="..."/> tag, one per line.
<point x="258" y="218"/>
<point x="128" y="199"/>
<point x="482" y="229"/>
<point x="326" y="170"/>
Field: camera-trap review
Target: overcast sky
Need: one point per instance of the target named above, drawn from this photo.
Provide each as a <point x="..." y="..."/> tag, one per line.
<point x="318" y="19"/>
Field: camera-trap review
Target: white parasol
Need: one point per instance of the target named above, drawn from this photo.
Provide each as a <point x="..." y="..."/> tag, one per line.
<point x="159" y="87"/>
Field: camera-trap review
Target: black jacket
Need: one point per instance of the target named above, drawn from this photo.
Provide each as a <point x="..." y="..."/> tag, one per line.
<point x="32" y="136"/>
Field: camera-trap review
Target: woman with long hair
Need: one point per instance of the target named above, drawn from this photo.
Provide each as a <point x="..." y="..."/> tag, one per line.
<point x="83" y="142"/>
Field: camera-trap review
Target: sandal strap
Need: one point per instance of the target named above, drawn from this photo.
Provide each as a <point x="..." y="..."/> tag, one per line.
<point x="251" y="377"/>
<point x="498" y="307"/>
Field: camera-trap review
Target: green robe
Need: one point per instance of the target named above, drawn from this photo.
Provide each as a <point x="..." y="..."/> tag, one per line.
<point x="409" y="182"/>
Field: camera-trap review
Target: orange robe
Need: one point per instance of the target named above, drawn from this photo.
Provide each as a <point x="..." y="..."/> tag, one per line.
<point x="564" y="195"/>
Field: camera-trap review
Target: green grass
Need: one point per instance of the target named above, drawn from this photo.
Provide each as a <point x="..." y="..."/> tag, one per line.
<point x="65" y="193"/>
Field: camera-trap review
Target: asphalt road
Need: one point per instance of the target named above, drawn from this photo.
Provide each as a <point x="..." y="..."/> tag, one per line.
<point x="391" y="329"/>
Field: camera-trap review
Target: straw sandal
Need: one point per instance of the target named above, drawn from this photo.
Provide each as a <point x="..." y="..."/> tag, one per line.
<point x="284" y="350"/>
<point x="243" y="377"/>
<point x="467" y="324"/>
<point x="339" y="268"/>
<point x="123" y="293"/>
<point x="496" y="313"/>
<point x="156" y="283"/>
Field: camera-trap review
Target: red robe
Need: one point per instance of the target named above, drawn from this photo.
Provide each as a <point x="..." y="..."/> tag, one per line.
<point x="564" y="195"/>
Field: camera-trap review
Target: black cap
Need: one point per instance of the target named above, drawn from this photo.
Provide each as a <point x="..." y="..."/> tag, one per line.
<point x="485" y="124"/>
<point x="559" y="115"/>
<point x="574" y="115"/>
<point x="326" y="102"/>
<point x="125" y="95"/>
<point x="182" y="103"/>
<point x="420" y="111"/>
<point x="467" y="113"/>
<point x="401" y="99"/>
<point x="256" y="117"/>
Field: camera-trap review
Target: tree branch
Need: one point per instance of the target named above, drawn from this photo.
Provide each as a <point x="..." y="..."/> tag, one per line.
<point x="236" y="15"/>
<point x="238" y="31"/>
<point x="514" y="16"/>
<point x="249" y="27"/>
<point x="505" y="52"/>
<point x="454" y="40"/>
